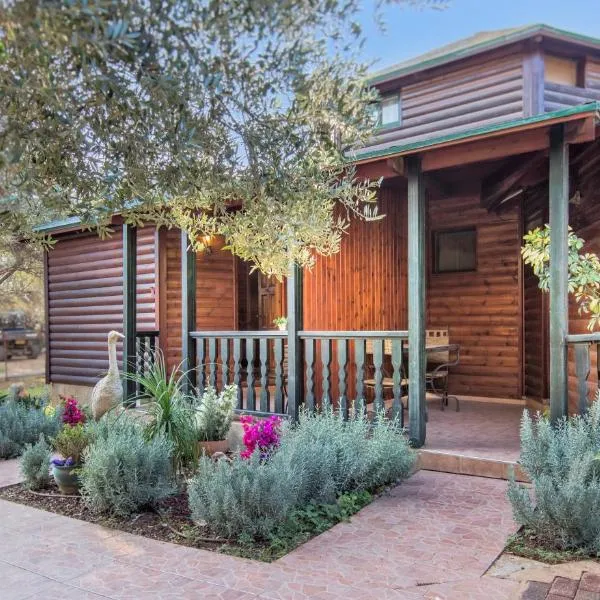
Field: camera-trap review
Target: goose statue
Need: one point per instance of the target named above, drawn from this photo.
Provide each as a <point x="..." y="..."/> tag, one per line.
<point x="108" y="392"/>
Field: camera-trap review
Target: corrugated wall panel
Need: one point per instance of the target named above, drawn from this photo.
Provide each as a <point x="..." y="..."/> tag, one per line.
<point x="85" y="301"/>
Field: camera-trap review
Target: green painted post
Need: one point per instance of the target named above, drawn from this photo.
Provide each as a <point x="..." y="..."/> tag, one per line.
<point x="416" y="301"/>
<point x="129" y="310"/>
<point x="294" y="346"/>
<point x="559" y="256"/>
<point x="188" y="311"/>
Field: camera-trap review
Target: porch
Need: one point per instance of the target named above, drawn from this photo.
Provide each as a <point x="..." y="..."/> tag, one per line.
<point x="351" y="322"/>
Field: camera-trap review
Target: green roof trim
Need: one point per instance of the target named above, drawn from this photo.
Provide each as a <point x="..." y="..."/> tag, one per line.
<point x="475" y="45"/>
<point x="58" y="224"/>
<point x="591" y="108"/>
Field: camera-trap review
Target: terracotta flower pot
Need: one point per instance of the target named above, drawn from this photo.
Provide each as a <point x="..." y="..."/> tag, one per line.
<point x="67" y="481"/>
<point x="209" y="448"/>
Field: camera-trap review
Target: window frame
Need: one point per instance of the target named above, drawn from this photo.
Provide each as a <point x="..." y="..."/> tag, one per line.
<point x="435" y="237"/>
<point x="379" y="125"/>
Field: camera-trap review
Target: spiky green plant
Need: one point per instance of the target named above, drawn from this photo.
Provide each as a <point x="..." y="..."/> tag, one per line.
<point x="170" y="412"/>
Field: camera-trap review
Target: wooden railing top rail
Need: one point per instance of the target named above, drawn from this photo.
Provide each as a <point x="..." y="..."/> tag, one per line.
<point x="583" y="338"/>
<point x="263" y="333"/>
<point x="349" y="335"/>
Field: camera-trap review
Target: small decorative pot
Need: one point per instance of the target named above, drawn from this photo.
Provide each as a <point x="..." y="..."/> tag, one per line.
<point x="209" y="448"/>
<point x="66" y="480"/>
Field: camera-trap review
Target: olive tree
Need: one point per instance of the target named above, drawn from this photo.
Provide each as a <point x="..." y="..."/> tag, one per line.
<point x="229" y="117"/>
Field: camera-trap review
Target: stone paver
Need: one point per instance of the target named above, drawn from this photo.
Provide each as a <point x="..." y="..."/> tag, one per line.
<point x="431" y="538"/>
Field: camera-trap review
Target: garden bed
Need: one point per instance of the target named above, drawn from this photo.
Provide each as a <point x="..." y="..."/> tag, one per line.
<point x="526" y="544"/>
<point x="171" y="521"/>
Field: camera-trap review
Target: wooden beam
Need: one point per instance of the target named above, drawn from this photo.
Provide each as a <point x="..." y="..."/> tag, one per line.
<point x="579" y="132"/>
<point x="486" y="149"/>
<point x="188" y="311"/>
<point x="416" y="302"/>
<point x="533" y="82"/>
<point x="295" y="380"/>
<point x="559" y="254"/>
<point x="129" y="310"/>
<point x="375" y="170"/>
<point x="498" y="185"/>
<point x="397" y="165"/>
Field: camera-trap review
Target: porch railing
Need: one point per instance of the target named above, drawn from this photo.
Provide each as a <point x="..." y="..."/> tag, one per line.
<point x="340" y="367"/>
<point x="582" y="343"/>
<point x="145" y="349"/>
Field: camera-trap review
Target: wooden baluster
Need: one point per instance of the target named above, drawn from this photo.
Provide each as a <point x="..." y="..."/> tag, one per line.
<point x="397" y="380"/>
<point x="360" y="402"/>
<point x="309" y="357"/>
<point x="237" y="353"/>
<point x="224" y="355"/>
<point x="326" y="374"/>
<point x="264" y="369"/>
<point x="200" y="357"/>
<point x="342" y="357"/>
<point x="278" y="347"/>
<point x="212" y="362"/>
<point x="139" y="366"/>
<point x="582" y="369"/>
<point x="250" y="394"/>
<point x="378" y="364"/>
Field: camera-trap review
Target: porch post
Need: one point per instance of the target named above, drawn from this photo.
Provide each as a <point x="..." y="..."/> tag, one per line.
<point x="129" y="310"/>
<point x="416" y="302"/>
<point x="294" y="348"/>
<point x="188" y="311"/>
<point x="559" y="253"/>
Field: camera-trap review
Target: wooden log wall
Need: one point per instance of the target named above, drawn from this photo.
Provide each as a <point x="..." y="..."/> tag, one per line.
<point x="480" y="93"/>
<point x="85" y="301"/>
<point x="481" y="309"/>
<point x="557" y="97"/>
<point x="216" y="293"/>
<point x="535" y="307"/>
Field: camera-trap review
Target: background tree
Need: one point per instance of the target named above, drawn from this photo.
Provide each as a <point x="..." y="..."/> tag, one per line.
<point x="181" y="111"/>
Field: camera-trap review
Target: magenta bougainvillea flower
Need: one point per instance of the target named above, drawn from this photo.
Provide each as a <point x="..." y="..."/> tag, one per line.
<point x="264" y="434"/>
<point x="72" y="414"/>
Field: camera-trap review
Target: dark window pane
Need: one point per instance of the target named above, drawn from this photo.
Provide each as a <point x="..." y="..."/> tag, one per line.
<point x="455" y="251"/>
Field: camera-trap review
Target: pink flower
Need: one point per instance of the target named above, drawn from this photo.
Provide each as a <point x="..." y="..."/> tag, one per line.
<point x="72" y="414"/>
<point x="263" y="434"/>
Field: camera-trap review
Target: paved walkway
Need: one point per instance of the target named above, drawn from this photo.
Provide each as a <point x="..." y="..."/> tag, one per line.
<point x="432" y="538"/>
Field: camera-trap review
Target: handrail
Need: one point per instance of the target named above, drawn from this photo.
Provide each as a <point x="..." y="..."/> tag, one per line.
<point x="581" y="338"/>
<point x="263" y="333"/>
<point x="346" y="335"/>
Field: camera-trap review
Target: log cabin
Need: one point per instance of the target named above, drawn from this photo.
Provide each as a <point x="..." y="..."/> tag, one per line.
<point x="477" y="143"/>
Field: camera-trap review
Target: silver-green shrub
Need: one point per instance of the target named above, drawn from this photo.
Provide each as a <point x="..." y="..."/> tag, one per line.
<point x="244" y="498"/>
<point x="563" y="463"/>
<point x="21" y="425"/>
<point x="124" y="471"/>
<point x="215" y="413"/>
<point x="320" y="458"/>
<point x="35" y="464"/>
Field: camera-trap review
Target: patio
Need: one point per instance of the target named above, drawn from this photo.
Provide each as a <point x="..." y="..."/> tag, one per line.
<point x="433" y="537"/>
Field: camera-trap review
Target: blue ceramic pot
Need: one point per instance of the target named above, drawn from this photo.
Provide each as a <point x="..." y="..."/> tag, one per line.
<point x="66" y="480"/>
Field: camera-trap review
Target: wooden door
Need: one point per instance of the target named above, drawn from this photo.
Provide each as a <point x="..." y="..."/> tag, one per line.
<point x="270" y="301"/>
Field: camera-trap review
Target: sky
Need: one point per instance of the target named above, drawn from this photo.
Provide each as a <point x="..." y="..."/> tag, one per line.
<point x="411" y="32"/>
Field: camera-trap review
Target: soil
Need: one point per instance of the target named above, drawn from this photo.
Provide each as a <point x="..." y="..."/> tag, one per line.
<point x="170" y="522"/>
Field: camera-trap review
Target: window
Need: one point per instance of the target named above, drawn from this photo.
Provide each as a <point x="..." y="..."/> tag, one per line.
<point x="388" y="111"/>
<point x="564" y="71"/>
<point x="455" y="251"/>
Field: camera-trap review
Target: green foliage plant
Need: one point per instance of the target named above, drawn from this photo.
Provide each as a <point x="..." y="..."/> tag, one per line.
<point x="584" y="270"/>
<point x="318" y="460"/>
<point x="215" y="413"/>
<point x="35" y="464"/>
<point x="169" y="411"/>
<point x="71" y="441"/>
<point x="124" y="471"/>
<point x="20" y="425"/>
<point x="563" y="463"/>
<point x="141" y="111"/>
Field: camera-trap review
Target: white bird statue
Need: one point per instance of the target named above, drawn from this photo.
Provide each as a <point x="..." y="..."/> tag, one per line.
<point x="108" y="392"/>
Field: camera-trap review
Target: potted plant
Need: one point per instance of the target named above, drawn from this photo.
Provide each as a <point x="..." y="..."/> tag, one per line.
<point x="70" y="443"/>
<point x="213" y="419"/>
<point x="280" y="323"/>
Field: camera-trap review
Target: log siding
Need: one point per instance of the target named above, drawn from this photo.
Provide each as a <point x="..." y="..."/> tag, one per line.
<point x="85" y="301"/>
